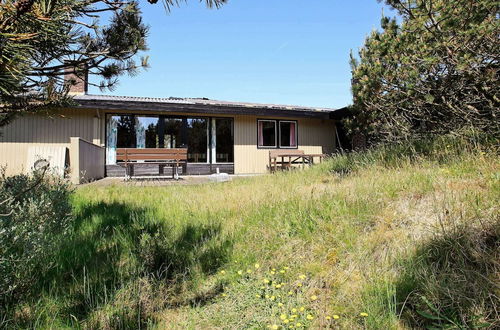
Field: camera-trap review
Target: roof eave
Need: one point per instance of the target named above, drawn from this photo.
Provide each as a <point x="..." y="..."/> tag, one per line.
<point x="194" y="108"/>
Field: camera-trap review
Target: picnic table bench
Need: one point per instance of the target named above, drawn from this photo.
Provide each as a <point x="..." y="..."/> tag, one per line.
<point x="285" y="159"/>
<point x="161" y="157"/>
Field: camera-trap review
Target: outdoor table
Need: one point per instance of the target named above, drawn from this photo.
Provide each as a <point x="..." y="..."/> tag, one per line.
<point x="297" y="159"/>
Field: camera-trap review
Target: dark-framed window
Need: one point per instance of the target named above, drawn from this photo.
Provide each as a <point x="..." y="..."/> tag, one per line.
<point x="224" y="140"/>
<point x="146" y="131"/>
<point x="125" y="131"/>
<point x="173" y="132"/>
<point x="197" y="136"/>
<point x="267" y="133"/>
<point x="288" y="134"/>
<point x="274" y="133"/>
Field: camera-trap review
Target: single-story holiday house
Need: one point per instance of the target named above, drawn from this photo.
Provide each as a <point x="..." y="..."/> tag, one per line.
<point x="230" y="137"/>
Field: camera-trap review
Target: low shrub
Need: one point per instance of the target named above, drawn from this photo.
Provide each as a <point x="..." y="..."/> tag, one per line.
<point x="35" y="211"/>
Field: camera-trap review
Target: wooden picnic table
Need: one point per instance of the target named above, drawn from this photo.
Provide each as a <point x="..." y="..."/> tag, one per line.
<point x="291" y="157"/>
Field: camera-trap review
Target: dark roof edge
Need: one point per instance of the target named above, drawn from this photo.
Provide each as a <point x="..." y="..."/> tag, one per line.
<point x="341" y="113"/>
<point x="203" y="108"/>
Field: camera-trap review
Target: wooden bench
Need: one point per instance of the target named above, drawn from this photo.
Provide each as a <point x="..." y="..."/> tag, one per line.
<point x="290" y="157"/>
<point x="161" y="157"/>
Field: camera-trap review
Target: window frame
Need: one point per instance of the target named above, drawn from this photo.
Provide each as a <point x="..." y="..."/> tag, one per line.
<point x="158" y="117"/>
<point x="275" y="134"/>
<point x="296" y="134"/>
<point x="209" y="141"/>
<point x="277" y="144"/>
<point x="213" y="126"/>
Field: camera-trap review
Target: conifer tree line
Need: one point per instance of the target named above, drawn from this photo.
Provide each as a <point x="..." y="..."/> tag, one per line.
<point x="431" y="69"/>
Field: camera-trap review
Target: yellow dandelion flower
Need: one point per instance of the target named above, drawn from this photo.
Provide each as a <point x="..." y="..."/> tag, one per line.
<point x="280" y="304"/>
<point x="273" y="298"/>
<point x="267" y="296"/>
<point x="223" y="272"/>
<point x="257" y="266"/>
<point x="283" y="316"/>
<point x="299" y="284"/>
<point x="277" y="286"/>
<point x="266" y="281"/>
<point x="274" y="269"/>
<point x="302" y="277"/>
<point x="298" y="324"/>
<point x="273" y="272"/>
<point x="274" y="326"/>
<point x="249" y="271"/>
<point x="294" y="316"/>
<point x="309" y="317"/>
<point x="257" y="295"/>
<point x="286" y="268"/>
<point x="282" y="271"/>
<point x="294" y="310"/>
<point x="336" y="317"/>
<point x="302" y="309"/>
<point x="240" y="272"/>
<point x="286" y="321"/>
<point x="290" y="293"/>
<point x="313" y="298"/>
<point x="363" y="314"/>
<point x="224" y="294"/>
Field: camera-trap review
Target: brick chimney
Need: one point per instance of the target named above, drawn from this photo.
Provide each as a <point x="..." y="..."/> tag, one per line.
<point x="76" y="78"/>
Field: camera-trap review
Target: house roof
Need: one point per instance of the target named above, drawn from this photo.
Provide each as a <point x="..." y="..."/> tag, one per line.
<point x="198" y="105"/>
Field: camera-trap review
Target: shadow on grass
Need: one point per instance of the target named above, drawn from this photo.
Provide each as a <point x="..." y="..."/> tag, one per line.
<point x="114" y="246"/>
<point x="451" y="281"/>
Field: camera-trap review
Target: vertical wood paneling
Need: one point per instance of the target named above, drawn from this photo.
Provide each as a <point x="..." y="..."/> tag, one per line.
<point x="315" y="136"/>
<point x="54" y="154"/>
<point x="32" y="130"/>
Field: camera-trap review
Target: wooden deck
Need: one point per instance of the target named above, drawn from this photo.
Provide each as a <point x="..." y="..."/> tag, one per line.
<point x="145" y="169"/>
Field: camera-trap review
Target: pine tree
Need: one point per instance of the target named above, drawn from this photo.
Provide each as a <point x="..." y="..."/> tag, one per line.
<point x="40" y="40"/>
<point x="433" y="71"/>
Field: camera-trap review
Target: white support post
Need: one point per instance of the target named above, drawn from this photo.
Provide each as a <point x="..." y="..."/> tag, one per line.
<point x="214" y="142"/>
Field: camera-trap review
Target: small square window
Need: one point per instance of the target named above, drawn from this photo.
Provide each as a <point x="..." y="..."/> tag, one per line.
<point x="288" y="134"/>
<point x="267" y="133"/>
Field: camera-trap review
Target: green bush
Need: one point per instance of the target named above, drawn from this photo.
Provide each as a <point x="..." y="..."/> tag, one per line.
<point x="35" y="212"/>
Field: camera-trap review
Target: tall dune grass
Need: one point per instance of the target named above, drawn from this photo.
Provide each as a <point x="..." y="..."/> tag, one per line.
<point x="397" y="237"/>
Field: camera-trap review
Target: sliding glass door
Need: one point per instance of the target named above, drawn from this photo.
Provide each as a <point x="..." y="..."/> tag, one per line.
<point x="172" y="133"/>
<point x="197" y="140"/>
<point x="146" y="132"/>
<point x="120" y="133"/>
<point x="208" y="140"/>
<point x="224" y="140"/>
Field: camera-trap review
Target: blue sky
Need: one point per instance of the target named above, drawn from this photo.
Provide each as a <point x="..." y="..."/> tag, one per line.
<point x="266" y="51"/>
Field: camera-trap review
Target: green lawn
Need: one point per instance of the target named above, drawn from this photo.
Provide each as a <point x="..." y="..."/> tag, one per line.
<point x="410" y="242"/>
